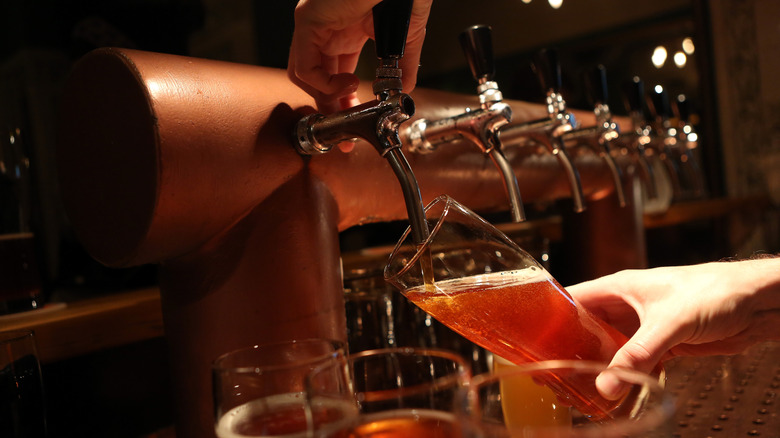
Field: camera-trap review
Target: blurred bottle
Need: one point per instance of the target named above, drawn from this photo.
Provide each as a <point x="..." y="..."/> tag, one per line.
<point x="20" y="281"/>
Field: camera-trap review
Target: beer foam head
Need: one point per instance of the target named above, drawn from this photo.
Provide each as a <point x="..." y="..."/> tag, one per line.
<point x="531" y="274"/>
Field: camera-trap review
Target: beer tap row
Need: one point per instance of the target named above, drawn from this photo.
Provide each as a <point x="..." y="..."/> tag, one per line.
<point x="659" y="145"/>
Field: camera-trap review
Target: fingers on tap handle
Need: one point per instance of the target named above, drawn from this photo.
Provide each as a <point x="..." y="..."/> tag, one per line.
<point x="477" y="44"/>
<point x="391" y="25"/>
<point x="548" y="70"/>
<point x="596" y="85"/>
<point x="634" y="95"/>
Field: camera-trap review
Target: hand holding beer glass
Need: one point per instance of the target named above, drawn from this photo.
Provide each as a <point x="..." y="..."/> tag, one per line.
<point x="503" y="300"/>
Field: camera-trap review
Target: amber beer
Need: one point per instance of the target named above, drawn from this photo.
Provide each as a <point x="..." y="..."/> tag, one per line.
<point x="286" y="416"/>
<point x="402" y="423"/>
<point x="526" y="316"/>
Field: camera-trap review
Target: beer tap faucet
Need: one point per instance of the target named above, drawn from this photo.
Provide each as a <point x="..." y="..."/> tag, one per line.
<point x="378" y="121"/>
<point x="480" y="126"/>
<point x="665" y="139"/>
<point x="689" y="142"/>
<point x="638" y="139"/>
<point x="549" y="130"/>
<point x="605" y="132"/>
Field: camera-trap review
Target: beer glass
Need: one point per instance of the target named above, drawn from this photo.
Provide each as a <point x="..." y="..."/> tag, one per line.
<point x="399" y="392"/>
<point x="500" y="297"/>
<point x="523" y="401"/>
<point x="22" y="407"/>
<point x="260" y="390"/>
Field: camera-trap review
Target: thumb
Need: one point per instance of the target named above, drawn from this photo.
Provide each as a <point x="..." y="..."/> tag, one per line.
<point x="640" y="353"/>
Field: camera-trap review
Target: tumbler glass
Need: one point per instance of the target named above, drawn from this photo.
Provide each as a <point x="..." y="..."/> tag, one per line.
<point x="260" y="390"/>
<point x="500" y="298"/>
<point x="398" y="392"/>
<point x="523" y="401"/>
<point x="22" y="407"/>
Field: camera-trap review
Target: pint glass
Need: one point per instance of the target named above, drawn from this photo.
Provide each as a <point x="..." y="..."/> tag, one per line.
<point x="501" y="298"/>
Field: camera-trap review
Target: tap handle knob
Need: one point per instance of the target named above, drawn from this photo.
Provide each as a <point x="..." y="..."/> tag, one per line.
<point x="682" y="107"/>
<point x="548" y="69"/>
<point x="477" y="44"/>
<point x="633" y="95"/>
<point x="391" y="25"/>
<point x="596" y="85"/>
<point x="658" y="102"/>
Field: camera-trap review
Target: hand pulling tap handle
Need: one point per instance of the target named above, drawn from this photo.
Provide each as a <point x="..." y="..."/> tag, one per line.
<point x="376" y="122"/>
<point x="477" y="44"/>
<point x="596" y="91"/>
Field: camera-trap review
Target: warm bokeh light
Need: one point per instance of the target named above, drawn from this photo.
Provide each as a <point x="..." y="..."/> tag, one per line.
<point x="680" y="59"/>
<point x="526" y="1"/>
<point x="688" y="47"/>
<point x="555" y="3"/>
<point x="659" y="89"/>
<point x="659" y="56"/>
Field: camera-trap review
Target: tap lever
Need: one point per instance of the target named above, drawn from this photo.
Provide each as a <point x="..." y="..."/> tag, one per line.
<point x="596" y="85"/>
<point x="548" y="70"/>
<point x="682" y="109"/>
<point x="391" y="25"/>
<point x="658" y="103"/>
<point x="606" y="129"/>
<point x="477" y="44"/>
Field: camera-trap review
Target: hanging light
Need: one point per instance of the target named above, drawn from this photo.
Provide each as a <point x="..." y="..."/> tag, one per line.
<point x="526" y="1"/>
<point x="688" y="47"/>
<point x="555" y="3"/>
<point x="680" y="59"/>
<point x="659" y="56"/>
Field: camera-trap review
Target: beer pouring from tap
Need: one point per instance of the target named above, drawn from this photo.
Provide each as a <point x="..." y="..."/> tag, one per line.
<point x="479" y="126"/>
<point x="376" y="122"/>
<point x="600" y="137"/>
<point x="549" y="130"/>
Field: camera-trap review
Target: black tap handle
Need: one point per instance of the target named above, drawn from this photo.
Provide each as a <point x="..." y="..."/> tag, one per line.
<point x="658" y="102"/>
<point x="634" y="95"/>
<point x="548" y="70"/>
<point x="391" y="25"/>
<point x="477" y="44"/>
<point x="596" y="85"/>
<point x="682" y="107"/>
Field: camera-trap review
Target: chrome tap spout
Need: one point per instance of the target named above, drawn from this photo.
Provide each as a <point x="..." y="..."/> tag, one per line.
<point x="549" y="131"/>
<point x="478" y="126"/>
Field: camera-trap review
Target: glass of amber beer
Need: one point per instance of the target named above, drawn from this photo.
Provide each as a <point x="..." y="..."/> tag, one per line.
<point x="500" y="298"/>
<point x="259" y="391"/>
<point x="399" y="392"/>
<point x="524" y="401"/>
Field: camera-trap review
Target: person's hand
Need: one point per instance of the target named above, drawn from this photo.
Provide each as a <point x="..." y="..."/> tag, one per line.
<point x="707" y="309"/>
<point x="326" y="45"/>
